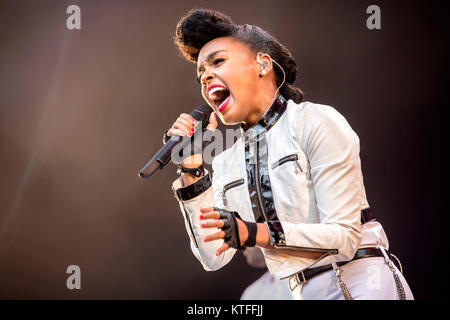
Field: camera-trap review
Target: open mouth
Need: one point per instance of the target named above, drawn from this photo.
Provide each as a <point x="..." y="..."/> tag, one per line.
<point x="220" y="97"/>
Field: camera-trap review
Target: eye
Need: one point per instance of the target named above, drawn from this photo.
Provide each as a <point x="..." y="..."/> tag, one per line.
<point x="215" y="62"/>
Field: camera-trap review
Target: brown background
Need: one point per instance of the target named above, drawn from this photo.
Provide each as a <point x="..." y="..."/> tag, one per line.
<point x="82" y="111"/>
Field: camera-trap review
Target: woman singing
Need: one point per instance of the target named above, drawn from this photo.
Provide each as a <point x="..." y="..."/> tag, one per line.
<point x="291" y="184"/>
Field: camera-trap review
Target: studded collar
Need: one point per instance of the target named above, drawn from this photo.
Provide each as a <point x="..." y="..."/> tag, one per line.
<point x="267" y="120"/>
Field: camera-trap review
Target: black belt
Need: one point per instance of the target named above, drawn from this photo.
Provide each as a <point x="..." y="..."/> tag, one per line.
<point x="307" y="274"/>
<point x="367" y="215"/>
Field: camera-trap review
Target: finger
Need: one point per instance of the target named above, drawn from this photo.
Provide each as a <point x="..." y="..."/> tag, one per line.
<point x="183" y="127"/>
<point x="215" y="236"/>
<point x="178" y="132"/>
<point x="222" y="249"/>
<point x="188" y="117"/>
<point x="210" y="215"/>
<point x="206" y="209"/>
<point x="212" y="122"/>
<point x="186" y="122"/>
<point x="212" y="224"/>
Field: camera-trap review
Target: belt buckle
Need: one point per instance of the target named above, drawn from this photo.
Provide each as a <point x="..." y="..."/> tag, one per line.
<point x="296" y="280"/>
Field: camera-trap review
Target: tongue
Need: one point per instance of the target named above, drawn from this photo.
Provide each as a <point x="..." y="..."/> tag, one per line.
<point x="223" y="104"/>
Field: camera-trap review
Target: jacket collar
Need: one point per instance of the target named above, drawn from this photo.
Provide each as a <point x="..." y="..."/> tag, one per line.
<point x="267" y="120"/>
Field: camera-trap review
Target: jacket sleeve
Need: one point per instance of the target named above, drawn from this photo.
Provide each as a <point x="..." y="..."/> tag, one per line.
<point x="191" y="198"/>
<point x="332" y="149"/>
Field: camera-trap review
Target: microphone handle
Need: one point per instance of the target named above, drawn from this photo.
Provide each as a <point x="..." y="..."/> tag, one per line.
<point x="160" y="159"/>
<point x="164" y="155"/>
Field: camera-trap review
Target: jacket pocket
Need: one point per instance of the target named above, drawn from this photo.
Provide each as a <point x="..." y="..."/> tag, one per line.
<point x="291" y="157"/>
<point x="229" y="186"/>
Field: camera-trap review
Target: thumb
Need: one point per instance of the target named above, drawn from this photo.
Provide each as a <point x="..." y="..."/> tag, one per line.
<point x="212" y="122"/>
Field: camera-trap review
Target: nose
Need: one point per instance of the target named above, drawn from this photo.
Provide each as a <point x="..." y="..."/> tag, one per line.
<point x="206" y="77"/>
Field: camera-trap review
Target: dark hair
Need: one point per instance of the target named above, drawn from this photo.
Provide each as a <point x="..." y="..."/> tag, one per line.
<point x="200" y="26"/>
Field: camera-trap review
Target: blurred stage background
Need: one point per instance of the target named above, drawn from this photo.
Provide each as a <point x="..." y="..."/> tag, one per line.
<point x="82" y="111"/>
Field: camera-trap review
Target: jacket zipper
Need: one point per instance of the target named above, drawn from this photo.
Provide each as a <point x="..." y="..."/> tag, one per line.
<point x="258" y="187"/>
<point x="190" y="226"/>
<point x="292" y="157"/>
<point x="228" y="186"/>
<point x="329" y="251"/>
<point x="258" y="192"/>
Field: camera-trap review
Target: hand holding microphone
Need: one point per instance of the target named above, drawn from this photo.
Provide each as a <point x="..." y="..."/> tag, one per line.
<point x="183" y="126"/>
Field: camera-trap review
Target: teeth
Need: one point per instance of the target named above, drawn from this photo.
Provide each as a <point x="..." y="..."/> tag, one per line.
<point x="213" y="90"/>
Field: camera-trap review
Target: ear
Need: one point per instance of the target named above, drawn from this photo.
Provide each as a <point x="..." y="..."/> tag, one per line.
<point x="265" y="62"/>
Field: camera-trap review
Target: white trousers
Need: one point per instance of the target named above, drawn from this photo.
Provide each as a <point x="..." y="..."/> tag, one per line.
<point x="366" y="279"/>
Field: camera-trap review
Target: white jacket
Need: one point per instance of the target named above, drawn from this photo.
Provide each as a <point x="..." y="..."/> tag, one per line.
<point x="318" y="195"/>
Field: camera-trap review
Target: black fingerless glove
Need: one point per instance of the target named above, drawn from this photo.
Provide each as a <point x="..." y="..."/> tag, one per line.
<point x="230" y="227"/>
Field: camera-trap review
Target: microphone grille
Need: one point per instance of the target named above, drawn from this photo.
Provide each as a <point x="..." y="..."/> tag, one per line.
<point x="202" y="113"/>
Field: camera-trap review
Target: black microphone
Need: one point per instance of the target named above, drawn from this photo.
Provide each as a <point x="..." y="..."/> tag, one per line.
<point x="164" y="155"/>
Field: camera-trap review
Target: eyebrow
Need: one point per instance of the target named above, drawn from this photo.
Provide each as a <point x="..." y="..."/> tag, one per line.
<point x="209" y="57"/>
